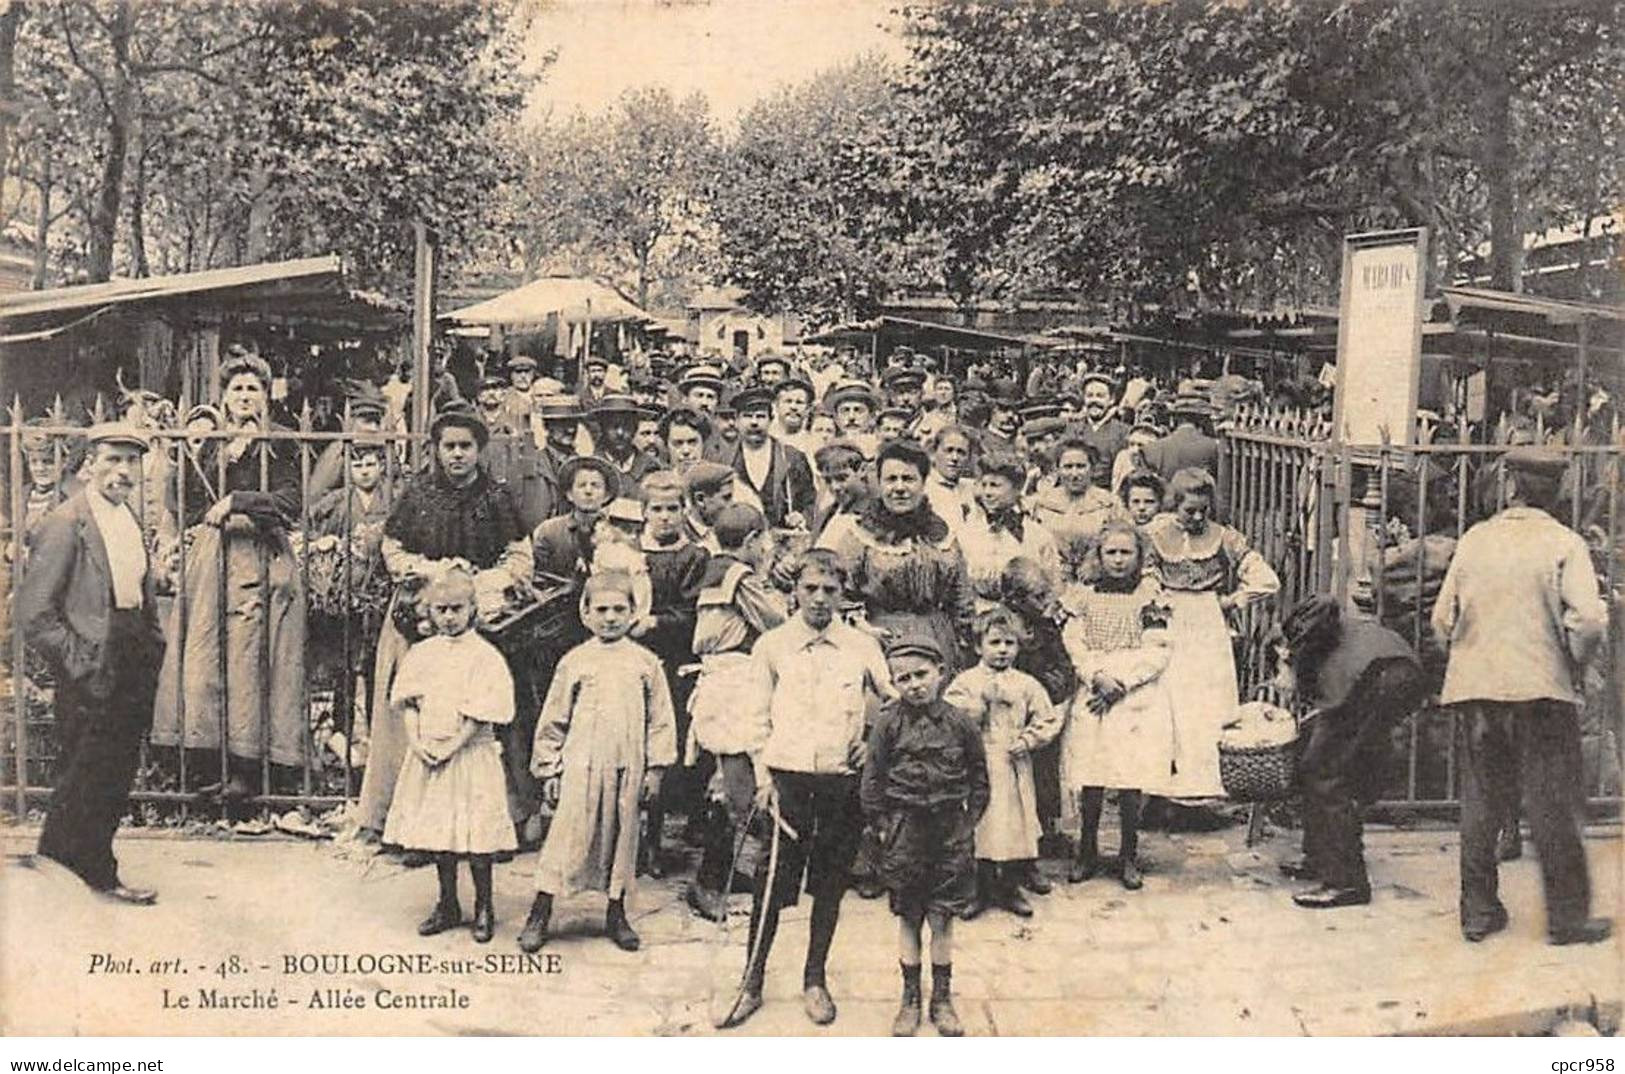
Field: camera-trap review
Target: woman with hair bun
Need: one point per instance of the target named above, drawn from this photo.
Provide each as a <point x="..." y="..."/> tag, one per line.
<point x="1209" y="572"/>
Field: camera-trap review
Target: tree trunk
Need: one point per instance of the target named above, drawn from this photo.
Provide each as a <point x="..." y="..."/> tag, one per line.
<point x="1500" y="166"/>
<point x="105" y="212"/>
<point x="42" y="228"/>
<point x="643" y="275"/>
<point x="9" y="18"/>
<point x="138" y="204"/>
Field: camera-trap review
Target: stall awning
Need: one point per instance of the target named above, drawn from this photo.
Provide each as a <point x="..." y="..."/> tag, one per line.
<point x="311" y="287"/>
<point x="569" y="298"/>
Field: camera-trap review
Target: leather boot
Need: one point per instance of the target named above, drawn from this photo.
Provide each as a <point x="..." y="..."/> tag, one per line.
<point x="1007" y="893"/>
<point x="1034" y="880"/>
<point x="534" y="934"/>
<point x="907" y="1021"/>
<point x="984" y="891"/>
<point x="484" y="912"/>
<point x="618" y="929"/>
<point x="447" y="914"/>
<point x="943" y="1015"/>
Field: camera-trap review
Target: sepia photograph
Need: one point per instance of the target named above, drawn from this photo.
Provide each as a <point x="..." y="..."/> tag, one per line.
<point x="811" y="519"/>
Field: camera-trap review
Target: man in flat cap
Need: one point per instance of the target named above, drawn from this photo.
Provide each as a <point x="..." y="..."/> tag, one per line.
<point x="86" y="605"/>
<point x="594" y="373"/>
<point x="780" y="475"/>
<point x="516" y="404"/>
<point x="1520" y="612"/>
<point x="904" y="386"/>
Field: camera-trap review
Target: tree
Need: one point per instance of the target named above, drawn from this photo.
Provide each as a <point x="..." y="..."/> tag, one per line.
<point x="630" y="181"/>
<point x="184" y="136"/>
<point x="806" y="196"/>
<point x="1217" y="152"/>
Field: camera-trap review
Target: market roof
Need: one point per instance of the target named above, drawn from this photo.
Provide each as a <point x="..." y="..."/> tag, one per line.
<point x="908" y="330"/>
<point x="570" y="298"/>
<point x="312" y="286"/>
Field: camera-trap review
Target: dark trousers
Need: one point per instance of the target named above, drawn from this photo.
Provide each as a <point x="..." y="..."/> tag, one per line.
<point x="101" y="744"/>
<point x="1545" y="736"/>
<point x="825" y="812"/>
<point x="1345" y="752"/>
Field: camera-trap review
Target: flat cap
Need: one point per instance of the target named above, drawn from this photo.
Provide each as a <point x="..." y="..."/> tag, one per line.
<point x="707" y="476"/>
<point x="122" y="433"/>
<point x="1541" y="461"/>
<point x="755" y="398"/>
<point x="916" y="645"/>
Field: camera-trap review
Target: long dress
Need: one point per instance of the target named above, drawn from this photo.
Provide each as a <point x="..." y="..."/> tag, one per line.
<point x="608" y="716"/>
<point x="432" y="523"/>
<point x="1010" y="706"/>
<point x="1075" y="522"/>
<point x="913" y="583"/>
<point x="1131" y="746"/>
<point x="460" y="805"/>
<point x="243" y="603"/>
<point x="1195" y="570"/>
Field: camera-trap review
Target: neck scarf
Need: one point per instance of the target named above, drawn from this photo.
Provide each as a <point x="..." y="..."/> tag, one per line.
<point x="888" y="526"/>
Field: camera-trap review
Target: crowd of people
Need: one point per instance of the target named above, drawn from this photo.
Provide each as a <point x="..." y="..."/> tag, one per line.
<point x="890" y="630"/>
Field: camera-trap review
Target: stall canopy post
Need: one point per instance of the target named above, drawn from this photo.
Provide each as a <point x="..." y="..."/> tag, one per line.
<point x="422" y="320"/>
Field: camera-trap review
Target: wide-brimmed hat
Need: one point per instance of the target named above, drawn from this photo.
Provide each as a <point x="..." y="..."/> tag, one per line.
<point x="616" y="404"/>
<point x="576" y="463"/>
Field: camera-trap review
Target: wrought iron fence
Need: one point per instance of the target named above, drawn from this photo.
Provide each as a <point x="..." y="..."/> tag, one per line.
<point x="318" y="575"/>
<point x="1382" y="522"/>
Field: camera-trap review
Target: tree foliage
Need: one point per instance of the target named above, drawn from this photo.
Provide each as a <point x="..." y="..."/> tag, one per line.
<point x="621" y="193"/>
<point x="181" y="136"/>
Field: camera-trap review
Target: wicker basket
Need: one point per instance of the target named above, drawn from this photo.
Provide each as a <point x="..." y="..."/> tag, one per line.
<point x="1261" y="771"/>
<point x="1258" y="773"/>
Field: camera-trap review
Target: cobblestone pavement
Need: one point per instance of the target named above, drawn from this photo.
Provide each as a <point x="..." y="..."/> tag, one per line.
<point x="1210" y="946"/>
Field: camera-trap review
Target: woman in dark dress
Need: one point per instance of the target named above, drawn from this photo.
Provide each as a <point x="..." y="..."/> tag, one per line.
<point x="452" y="512"/>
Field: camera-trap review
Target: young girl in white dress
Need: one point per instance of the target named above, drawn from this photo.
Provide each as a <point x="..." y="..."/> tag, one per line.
<point x="1120" y="732"/>
<point x="1016" y="719"/>
<point x="450" y="799"/>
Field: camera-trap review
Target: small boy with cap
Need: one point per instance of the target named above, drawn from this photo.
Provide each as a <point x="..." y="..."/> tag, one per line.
<point x="925" y="788"/>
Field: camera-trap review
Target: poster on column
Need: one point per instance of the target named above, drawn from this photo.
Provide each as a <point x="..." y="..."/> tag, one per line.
<point x="1379" y="336"/>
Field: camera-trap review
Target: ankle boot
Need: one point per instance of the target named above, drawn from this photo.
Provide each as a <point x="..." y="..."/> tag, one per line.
<point x="447" y="913"/>
<point x="985" y="879"/>
<point x="535" y="931"/>
<point x="1007" y="891"/>
<point x="1086" y="863"/>
<point x="484" y="912"/>
<point x="907" y="1021"/>
<point x="943" y="1015"/>
<point x="617" y="928"/>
